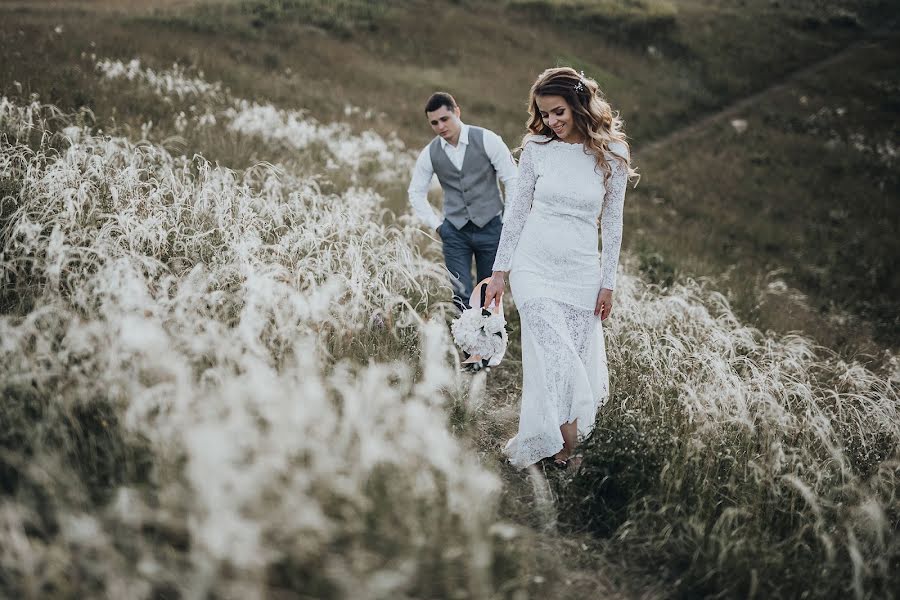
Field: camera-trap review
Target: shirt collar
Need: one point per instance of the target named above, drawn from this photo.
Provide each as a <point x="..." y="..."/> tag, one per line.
<point x="463" y="137"/>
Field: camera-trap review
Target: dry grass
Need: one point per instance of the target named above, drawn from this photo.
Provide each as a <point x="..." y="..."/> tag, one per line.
<point x="803" y="199"/>
<point x="740" y="464"/>
<point x="224" y="380"/>
<point x="190" y="340"/>
<point x="658" y="84"/>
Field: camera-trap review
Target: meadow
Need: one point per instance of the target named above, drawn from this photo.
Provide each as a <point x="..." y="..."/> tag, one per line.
<point x="224" y="355"/>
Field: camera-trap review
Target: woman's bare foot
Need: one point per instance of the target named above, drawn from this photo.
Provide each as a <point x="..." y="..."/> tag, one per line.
<point x="561" y="458"/>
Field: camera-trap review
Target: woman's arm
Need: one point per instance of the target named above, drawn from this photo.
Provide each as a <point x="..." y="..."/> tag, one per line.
<point x="611" y="223"/>
<point x="514" y="217"/>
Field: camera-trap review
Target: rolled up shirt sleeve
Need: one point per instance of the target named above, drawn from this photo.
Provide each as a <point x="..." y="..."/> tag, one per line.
<point x="418" y="191"/>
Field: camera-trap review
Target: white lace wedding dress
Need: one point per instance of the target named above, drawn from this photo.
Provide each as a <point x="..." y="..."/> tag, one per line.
<point x="549" y="245"/>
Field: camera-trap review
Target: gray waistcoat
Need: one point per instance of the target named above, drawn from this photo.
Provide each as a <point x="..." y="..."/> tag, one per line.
<point x="473" y="193"/>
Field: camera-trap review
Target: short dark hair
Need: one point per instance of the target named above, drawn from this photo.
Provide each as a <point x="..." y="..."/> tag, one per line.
<point x="439" y="99"/>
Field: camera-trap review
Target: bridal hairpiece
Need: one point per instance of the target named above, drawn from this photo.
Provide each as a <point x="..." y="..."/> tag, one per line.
<point x="579" y="87"/>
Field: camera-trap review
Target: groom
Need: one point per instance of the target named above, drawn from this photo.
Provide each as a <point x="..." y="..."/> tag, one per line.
<point x="468" y="162"/>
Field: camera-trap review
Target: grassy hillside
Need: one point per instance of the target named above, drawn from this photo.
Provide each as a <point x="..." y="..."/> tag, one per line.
<point x="663" y="64"/>
<point x="233" y="382"/>
<point x="390" y="56"/>
<point x="234" y="379"/>
<point x="798" y="186"/>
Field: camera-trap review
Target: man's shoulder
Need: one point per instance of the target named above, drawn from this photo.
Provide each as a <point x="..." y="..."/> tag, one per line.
<point x="487" y="136"/>
<point x="435" y="141"/>
<point x="484" y="132"/>
<point x="425" y="153"/>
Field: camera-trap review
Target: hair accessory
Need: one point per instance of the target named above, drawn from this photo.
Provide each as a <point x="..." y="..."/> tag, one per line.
<point x="579" y="87"/>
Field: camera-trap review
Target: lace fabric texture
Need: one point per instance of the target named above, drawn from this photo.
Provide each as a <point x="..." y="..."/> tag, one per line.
<point x="549" y="244"/>
<point x="565" y="377"/>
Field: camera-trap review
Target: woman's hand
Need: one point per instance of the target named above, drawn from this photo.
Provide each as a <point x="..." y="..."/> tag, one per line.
<point x="495" y="288"/>
<point x="604" y="304"/>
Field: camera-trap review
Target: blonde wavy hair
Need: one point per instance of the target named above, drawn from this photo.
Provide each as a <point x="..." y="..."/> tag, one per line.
<point x="593" y="116"/>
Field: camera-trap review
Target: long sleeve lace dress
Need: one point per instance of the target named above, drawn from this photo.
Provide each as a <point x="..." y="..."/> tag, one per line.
<point x="549" y="245"/>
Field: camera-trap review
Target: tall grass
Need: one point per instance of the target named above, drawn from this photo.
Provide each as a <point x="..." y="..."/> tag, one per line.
<point x="745" y="465"/>
<point x="237" y="383"/>
<point x="186" y="405"/>
<point x="204" y="113"/>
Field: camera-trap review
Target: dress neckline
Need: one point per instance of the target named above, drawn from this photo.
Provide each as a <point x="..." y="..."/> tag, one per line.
<point x="571" y="144"/>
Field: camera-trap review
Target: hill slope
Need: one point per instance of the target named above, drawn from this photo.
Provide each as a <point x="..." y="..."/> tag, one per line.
<point x="663" y="65"/>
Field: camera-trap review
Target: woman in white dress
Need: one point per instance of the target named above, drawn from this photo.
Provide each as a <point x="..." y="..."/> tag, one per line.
<point x="573" y="171"/>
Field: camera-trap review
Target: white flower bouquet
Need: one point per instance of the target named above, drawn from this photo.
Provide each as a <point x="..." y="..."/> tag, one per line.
<point x="480" y="332"/>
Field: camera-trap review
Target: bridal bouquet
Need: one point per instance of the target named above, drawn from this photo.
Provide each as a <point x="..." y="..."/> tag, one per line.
<point x="481" y="333"/>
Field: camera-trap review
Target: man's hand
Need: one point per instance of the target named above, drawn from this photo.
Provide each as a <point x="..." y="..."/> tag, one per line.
<point x="604" y="304"/>
<point x="495" y="288"/>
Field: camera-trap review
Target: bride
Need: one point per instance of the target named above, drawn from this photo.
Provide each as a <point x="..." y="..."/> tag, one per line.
<point x="573" y="171"/>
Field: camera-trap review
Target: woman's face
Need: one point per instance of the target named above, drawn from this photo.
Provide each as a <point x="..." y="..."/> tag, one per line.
<point x="557" y="115"/>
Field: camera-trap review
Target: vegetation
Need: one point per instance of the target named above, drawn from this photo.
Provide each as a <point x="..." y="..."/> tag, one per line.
<point x="182" y="363"/>
<point x="742" y="465"/>
<point x="802" y="185"/>
<point x="249" y="17"/>
<point x="224" y="367"/>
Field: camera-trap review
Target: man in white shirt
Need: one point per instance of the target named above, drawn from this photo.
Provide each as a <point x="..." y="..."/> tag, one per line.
<point x="469" y="163"/>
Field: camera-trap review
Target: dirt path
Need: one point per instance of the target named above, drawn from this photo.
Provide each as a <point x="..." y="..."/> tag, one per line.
<point x="745" y="105"/>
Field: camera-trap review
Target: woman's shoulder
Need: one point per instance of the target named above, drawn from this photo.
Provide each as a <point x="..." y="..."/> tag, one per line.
<point x="535" y="138"/>
<point x="618" y="148"/>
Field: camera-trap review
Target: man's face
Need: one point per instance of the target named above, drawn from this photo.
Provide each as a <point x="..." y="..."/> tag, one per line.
<point x="445" y="122"/>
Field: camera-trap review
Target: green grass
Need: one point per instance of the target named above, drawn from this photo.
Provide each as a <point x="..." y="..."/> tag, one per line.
<point x="495" y="53"/>
<point x="732" y="207"/>
<point x="632" y="21"/>
<point x="252" y="18"/>
<point x="805" y="191"/>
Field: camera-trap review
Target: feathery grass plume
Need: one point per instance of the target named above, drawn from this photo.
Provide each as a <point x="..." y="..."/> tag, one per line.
<point x="741" y="461"/>
<point x="175" y="81"/>
<point x="187" y="415"/>
<point x="108" y="197"/>
<point x="297" y="131"/>
<point x="17" y="120"/>
<point x="200" y="105"/>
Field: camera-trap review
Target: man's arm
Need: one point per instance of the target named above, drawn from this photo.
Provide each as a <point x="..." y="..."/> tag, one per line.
<point x="418" y="191"/>
<point x="502" y="160"/>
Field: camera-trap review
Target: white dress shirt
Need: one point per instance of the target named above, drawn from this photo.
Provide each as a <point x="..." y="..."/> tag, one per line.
<point x="496" y="151"/>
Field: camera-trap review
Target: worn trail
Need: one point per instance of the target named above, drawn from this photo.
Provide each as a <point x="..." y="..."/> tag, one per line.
<point x="745" y="105"/>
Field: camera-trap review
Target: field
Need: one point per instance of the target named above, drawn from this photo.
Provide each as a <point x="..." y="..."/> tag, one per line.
<point x="224" y="355"/>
